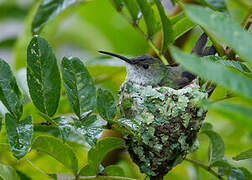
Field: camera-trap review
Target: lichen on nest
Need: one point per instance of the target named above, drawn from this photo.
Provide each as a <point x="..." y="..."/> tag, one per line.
<point x="161" y="124"/>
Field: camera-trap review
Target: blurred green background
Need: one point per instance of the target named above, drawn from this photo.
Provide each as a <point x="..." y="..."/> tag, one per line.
<point x="81" y="31"/>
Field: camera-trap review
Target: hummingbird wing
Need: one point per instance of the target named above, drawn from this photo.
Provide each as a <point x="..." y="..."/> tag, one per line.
<point x="200" y="44"/>
<point x="186" y="77"/>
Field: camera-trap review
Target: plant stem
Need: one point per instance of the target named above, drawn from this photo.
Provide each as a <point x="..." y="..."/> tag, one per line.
<point x="246" y="18"/>
<point x="200" y="164"/>
<point x="151" y="44"/>
<point x="104" y="178"/>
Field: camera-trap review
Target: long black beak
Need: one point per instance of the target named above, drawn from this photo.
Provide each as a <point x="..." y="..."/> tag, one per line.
<point x="118" y="56"/>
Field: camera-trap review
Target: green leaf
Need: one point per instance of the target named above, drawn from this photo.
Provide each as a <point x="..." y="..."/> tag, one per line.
<point x="106" y="104"/>
<point x="167" y="26"/>
<point x="240" y="115"/>
<point x="79" y="85"/>
<point x="64" y="127"/>
<point x="229" y="63"/>
<point x="113" y="170"/>
<point x="43" y="76"/>
<point x="1" y="120"/>
<point x="117" y="4"/>
<point x="47" y="10"/>
<point x="237" y="174"/>
<point x="214" y="4"/>
<point x="90" y="127"/>
<point x="223" y="28"/>
<point x="247" y="174"/>
<point x="206" y="126"/>
<point x="216" y="146"/>
<point x="10" y="94"/>
<point x="224" y="165"/>
<point x="222" y="75"/>
<point x="55" y="148"/>
<point x="237" y="10"/>
<point x="96" y="155"/>
<point x="182" y="26"/>
<point x="133" y="9"/>
<point x="129" y="125"/>
<point x="23" y="176"/>
<point x="177" y="18"/>
<point x="8" y="173"/>
<point x="149" y="17"/>
<point x="19" y="134"/>
<point x="244" y="155"/>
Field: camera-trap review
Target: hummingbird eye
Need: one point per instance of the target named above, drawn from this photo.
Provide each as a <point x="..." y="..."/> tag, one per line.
<point x="145" y="66"/>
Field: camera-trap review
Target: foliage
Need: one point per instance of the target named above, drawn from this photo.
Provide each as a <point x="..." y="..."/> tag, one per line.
<point x="54" y="103"/>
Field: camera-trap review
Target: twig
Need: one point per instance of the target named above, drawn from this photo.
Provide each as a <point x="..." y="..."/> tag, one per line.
<point x="209" y="169"/>
<point x="104" y="178"/>
<point x="248" y="15"/>
<point x="151" y="44"/>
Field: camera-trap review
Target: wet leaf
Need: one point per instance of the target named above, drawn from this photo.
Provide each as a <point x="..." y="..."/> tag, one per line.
<point x="90" y="127"/>
<point x="117" y="4"/>
<point x="166" y="24"/>
<point x="216" y="146"/>
<point x="238" y="114"/>
<point x="8" y="173"/>
<point x="182" y="26"/>
<point x="43" y="76"/>
<point x="133" y="9"/>
<point x="64" y="127"/>
<point x="149" y="17"/>
<point x="226" y="168"/>
<point x="96" y="155"/>
<point x="113" y="170"/>
<point x="223" y="28"/>
<point x="221" y="76"/>
<point x="106" y="104"/>
<point x="55" y="148"/>
<point x="47" y="10"/>
<point x="19" y="134"/>
<point x="79" y="85"/>
<point x="244" y="155"/>
<point x="128" y="124"/>
<point x="10" y="95"/>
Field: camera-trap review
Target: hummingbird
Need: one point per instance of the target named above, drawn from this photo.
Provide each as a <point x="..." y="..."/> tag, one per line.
<point x="146" y="70"/>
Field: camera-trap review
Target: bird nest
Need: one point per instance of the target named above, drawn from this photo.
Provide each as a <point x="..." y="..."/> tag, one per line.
<point x="160" y="124"/>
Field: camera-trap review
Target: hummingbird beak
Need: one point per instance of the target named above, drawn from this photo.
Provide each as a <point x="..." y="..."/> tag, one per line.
<point x="118" y="56"/>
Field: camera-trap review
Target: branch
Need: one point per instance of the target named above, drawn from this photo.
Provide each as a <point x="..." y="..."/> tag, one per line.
<point x="209" y="169"/>
<point x="151" y="44"/>
<point x="245" y="20"/>
<point x="104" y="178"/>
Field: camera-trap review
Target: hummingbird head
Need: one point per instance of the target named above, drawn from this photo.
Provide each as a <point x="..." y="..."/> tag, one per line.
<point x="143" y="70"/>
